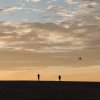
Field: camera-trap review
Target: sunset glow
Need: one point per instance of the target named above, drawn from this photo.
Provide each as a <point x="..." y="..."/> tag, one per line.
<point x="48" y="37"/>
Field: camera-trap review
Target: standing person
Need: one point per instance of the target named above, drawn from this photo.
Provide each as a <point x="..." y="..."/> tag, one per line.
<point x="38" y="77"/>
<point x="59" y="77"/>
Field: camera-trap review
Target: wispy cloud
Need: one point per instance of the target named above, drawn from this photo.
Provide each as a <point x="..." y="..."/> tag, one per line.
<point x="37" y="36"/>
<point x="10" y="9"/>
<point x="60" y="11"/>
<point x="71" y="1"/>
<point x="49" y="36"/>
<point x="32" y="0"/>
<point x="92" y="0"/>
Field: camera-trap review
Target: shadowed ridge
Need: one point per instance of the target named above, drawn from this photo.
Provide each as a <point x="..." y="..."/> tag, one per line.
<point x="53" y="90"/>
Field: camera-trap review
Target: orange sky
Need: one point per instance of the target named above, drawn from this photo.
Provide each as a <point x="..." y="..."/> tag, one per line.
<point x="68" y="74"/>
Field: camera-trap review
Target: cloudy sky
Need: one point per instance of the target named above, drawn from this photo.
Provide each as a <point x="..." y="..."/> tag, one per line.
<point x="48" y="37"/>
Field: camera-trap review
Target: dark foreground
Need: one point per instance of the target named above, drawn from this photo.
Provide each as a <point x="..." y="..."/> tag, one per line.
<point x="46" y="90"/>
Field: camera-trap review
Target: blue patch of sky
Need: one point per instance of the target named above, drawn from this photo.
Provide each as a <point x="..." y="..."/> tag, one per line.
<point x="27" y="13"/>
<point x="98" y="5"/>
<point x="8" y="3"/>
<point x="73" y="7"/>
<point x="18" y="16"/>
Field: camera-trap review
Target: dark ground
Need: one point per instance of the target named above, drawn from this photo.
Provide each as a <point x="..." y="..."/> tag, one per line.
<point x="49" y="90"/>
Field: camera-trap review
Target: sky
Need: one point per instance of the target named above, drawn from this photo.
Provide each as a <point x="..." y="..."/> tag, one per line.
<point x="48" y="37"/>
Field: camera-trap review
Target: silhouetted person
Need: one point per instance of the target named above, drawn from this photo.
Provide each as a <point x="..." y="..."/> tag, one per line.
<point x="59" y="77"/>
<point x="38" y="77"/>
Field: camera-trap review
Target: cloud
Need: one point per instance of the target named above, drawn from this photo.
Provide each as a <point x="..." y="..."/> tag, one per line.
<point x="37" y="36"/>
<point x="75" y="33"/>
<point x="51" y="1"/>
<point x="33" y="0"/>
<point x="54" y="44"/>
<point x="85" y="24"/>
<point x="76" y="1"/>
<point x="59" y="10"/>
<point x="27" y="0"/>
<point x="92" y="0"/>
<point x="86" y="12"/>
<point x="42" y="44"/>
<point x="48" y="37"/>
<point x="71" y="1"/>
<point x="10" y="9"/>
<point x="38" y="10"/>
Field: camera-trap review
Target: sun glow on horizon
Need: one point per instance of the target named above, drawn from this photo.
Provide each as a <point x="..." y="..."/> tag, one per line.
<point x="51" y="74"/>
